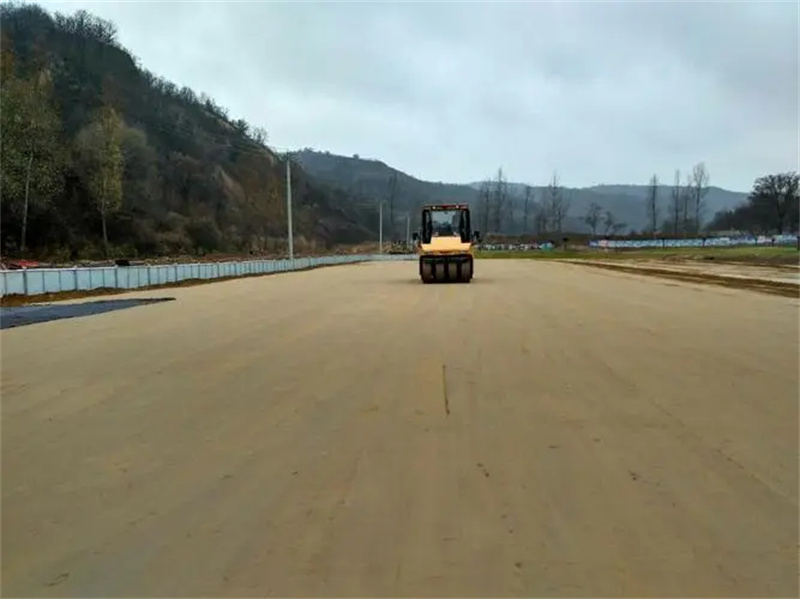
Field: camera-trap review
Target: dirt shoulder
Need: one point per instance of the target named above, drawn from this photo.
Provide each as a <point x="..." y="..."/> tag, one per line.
<point x="777" y="257"/>
<point x="783" y="280"/>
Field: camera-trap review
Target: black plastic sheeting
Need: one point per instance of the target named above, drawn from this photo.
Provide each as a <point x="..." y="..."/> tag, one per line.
<point x="20" y="316"/>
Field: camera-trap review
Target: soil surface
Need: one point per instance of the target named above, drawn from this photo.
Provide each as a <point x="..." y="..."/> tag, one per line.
<point x="547" y="430"/>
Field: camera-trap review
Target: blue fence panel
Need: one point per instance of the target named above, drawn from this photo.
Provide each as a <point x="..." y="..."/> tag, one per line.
<point x="95" y="278"/>
<point x="15" y="282"/>
<point x="52" y="280"/>
<point x="35" y="282"/>
<point x="38" y="282"/>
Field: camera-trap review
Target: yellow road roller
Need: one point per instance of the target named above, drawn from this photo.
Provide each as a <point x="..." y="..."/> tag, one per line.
<point x="446" y="244"/>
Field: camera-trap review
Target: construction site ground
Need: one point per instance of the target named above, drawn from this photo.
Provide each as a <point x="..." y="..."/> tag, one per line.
<point x="550" y="429"/>
<point x="777" y="273"/>
<point x="764" y="276"/>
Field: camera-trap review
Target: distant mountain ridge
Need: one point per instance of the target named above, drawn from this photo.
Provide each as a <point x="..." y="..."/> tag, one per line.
<point x="371" y="180"/>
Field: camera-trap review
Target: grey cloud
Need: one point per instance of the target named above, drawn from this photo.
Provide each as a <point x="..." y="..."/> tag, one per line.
<point x="603" y="92"/>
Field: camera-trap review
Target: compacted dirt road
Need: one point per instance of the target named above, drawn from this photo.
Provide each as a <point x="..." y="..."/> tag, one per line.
<point x="549" y="429"/>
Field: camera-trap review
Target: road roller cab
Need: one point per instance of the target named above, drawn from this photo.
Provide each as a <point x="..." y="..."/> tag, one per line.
<point x="446" y="244"/>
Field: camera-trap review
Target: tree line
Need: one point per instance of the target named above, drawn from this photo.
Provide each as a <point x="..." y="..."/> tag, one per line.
<point x="684" y="212"/>
<point x="496" y="206"/>
<point x="675" y="211"/>
<point x="771" y="206"/>
<point x="547" y="214"/>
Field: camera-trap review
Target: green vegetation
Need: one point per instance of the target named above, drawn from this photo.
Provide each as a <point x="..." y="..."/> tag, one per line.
<point x="101" y="157"/>
<point x="772" y="206"/>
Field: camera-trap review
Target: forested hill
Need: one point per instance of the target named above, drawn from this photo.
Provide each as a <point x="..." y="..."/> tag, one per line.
<point x="403" y="194"/>
<point x="88" y="136"/>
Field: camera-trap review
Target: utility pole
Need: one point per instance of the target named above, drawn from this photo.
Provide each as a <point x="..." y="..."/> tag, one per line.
<point x="408" y="230"/>
<point x="289" y="204"/>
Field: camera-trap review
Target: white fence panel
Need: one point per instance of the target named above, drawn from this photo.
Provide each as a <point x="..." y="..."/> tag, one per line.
<point x="761" y="240"/>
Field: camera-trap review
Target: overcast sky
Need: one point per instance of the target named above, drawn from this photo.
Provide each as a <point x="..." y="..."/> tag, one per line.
<point x="604" y="92"/>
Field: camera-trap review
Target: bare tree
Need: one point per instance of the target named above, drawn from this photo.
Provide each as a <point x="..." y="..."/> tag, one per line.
<point x="540" y="219"/>
<point x="652" y="204"/>
<point x="557" y="204"/>
<point x="592" y="218"/>
<point x="686" y="206"/>
<point x="528" y="198"/>
<point x="499" y="199"/>
<point x="259" y="135"/>
<point x="485" y="199"/>
<point x="675" y="202"/>
<point x="511" y="208"/>
<point x="698" y="186"/>
<point x="612" y="227"/>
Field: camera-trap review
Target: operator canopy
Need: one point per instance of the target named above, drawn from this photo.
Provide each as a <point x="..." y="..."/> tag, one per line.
<point x="448" y="223"/>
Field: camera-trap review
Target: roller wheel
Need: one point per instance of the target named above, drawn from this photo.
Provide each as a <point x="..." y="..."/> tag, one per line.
<point x="452" y="272"/>
<point x="440" y="274"/>
<point x="426" y="272"/>
<point x="466" y="272"/>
